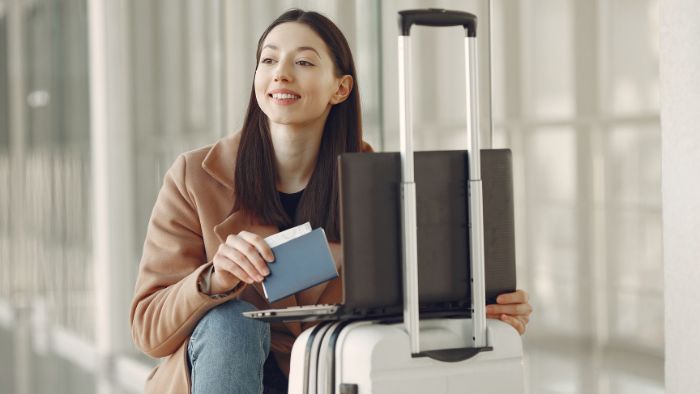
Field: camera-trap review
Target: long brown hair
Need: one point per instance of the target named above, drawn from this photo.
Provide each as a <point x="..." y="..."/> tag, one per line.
<point x="256" y="174"/>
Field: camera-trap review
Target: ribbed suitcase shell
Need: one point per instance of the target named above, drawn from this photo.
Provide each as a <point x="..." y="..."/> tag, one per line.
<point x="369" y="357"/>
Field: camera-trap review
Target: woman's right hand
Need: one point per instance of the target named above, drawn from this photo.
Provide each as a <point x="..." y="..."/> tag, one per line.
<point x="244" y="256"/>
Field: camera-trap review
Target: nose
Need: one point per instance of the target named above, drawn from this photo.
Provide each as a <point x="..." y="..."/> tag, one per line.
<point x="282" y="73"/>
<point x="281" y="77"/>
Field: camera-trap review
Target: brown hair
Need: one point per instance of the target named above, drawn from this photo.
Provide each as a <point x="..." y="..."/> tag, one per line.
<point x="256" y="175"/>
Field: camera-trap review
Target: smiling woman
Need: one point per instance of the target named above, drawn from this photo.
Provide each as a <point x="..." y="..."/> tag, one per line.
<point x="204" y="256"/>
<point x="304" y="56"/>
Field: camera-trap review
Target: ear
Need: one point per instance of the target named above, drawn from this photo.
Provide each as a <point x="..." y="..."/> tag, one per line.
<point x="343" y="91"/>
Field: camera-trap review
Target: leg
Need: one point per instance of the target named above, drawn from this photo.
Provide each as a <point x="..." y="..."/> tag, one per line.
<point x="274" y="380"/>
<point x="227" y="351"/>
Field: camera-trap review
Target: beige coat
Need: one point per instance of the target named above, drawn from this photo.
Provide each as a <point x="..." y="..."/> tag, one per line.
<point x="189" y="221"/>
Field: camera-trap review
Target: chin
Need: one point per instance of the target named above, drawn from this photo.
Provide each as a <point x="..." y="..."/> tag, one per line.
<point x="283" y="120"/>
<point x="291" y="118"/>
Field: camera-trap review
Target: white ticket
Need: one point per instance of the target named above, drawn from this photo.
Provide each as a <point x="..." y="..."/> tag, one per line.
<point x="288" y="235"/>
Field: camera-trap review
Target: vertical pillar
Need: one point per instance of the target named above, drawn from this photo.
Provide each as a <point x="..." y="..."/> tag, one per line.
<point x="680" y="165"/>
<point x="112" y="178"/>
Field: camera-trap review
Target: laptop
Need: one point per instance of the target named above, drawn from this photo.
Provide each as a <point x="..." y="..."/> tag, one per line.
<point x="371" y="236"/>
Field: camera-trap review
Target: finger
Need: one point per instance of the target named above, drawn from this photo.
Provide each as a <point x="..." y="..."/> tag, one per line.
<point x="260" y="244"/>
<point x="251" y="254"/>
<point x="516" y="297"/>
<point x="241" y="260"/>
<point x="223" y="264"/>
<point x="524" y="319"/>
<point x="511" y="309"/>
<point x="517" y="324"/>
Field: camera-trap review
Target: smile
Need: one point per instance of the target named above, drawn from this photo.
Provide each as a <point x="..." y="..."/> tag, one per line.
<point x="284" y="96"/>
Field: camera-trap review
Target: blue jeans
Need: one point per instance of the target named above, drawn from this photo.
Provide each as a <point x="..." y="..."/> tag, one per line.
<point x="229" y="353"/>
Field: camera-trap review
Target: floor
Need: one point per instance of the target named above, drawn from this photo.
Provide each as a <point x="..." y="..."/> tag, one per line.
<point x="579" y="368"/>
<point x="551" y="368"/>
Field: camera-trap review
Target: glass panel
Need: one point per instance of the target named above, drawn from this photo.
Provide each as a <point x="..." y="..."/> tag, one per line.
<point x="553" y="263"/>
<point x="57" y="235"/>
<point x="4" y="86"/>
<point x="56" y="217"/>
<point x="637" y="319"/>
<point x="631" y="50"/>
<point x="5" y="174"/>
<point x="548" y="74"/>
<point x="634" y="241"/>
<point x="46" y="278"/>
<point x="633" y="168"/>
<point x="551" y="165"/>
<point x="551" y="227"/>
<point x="7" y="238"/>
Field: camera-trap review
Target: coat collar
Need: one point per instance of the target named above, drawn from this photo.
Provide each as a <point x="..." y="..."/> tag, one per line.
<point x="220" y="161"/>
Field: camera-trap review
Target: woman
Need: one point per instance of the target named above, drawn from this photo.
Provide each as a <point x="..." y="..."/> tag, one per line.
<point x="203" y="261"/>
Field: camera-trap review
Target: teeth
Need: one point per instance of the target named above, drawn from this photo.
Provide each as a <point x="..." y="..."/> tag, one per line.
<point x="282" y="96"/>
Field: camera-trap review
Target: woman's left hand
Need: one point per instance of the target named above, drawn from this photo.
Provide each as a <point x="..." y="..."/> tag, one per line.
<point x="512" y="308"/>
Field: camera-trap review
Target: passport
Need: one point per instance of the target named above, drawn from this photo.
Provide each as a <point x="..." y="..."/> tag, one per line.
<point x="300" y="263"/>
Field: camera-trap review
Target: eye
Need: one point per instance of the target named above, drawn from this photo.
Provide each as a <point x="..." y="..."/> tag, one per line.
<point x="266" y="60"/>
<point x="304" y="63"/>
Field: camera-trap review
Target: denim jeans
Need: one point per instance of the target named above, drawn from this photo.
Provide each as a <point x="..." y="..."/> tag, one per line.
<point x="229" y="353"/>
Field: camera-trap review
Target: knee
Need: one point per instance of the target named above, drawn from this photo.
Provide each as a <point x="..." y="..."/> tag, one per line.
<point x="226" y="324"/>
<point x="228" y="350"/>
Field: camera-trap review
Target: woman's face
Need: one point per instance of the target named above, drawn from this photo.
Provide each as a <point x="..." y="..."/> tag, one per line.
<point x="295" y="82"/>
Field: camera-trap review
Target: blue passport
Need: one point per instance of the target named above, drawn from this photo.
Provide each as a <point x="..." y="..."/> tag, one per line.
<point x="300" y="263"/>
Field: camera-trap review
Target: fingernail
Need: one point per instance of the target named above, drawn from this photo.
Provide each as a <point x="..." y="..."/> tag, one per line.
<point x="267" y="272"/>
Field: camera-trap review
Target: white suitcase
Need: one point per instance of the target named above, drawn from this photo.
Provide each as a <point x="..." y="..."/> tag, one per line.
<point x="367" y="357"/>
<point x="429" y="356"/>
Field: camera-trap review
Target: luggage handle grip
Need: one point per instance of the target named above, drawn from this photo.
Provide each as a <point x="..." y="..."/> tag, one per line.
<point x="436" y="17"/>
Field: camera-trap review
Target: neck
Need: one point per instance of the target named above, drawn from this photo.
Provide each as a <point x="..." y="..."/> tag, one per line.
<point x="296" y="150"/>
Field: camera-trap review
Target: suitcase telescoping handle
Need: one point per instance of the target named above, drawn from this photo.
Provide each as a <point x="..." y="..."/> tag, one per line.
<point x="439" y="17"/>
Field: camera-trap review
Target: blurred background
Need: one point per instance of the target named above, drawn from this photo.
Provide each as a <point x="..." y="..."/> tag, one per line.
<point x="97" y="98"/>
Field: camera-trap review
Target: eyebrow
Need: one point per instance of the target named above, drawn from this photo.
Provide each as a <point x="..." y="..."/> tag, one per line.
<point x="299" y="49"/>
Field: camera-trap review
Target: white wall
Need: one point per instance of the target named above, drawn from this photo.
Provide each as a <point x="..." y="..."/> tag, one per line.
<point x="680" y="117"/>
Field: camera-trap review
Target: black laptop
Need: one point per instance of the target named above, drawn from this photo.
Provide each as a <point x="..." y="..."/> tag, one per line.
<point x="371" y="236"/>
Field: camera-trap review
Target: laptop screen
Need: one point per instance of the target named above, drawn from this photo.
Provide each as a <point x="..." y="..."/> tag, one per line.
<point x="371" y="229"/>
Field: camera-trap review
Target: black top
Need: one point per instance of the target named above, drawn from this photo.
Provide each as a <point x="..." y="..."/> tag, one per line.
<point x="290" y="203"/>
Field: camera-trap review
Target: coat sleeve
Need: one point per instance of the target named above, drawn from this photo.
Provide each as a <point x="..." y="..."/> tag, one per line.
<point x="167" y="303"/>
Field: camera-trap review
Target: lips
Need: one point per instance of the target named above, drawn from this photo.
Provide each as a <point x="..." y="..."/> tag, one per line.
<point x="284" y="96"/>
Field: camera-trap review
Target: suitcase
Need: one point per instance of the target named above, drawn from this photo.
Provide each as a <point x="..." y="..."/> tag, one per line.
<point x="457" y="355"/>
